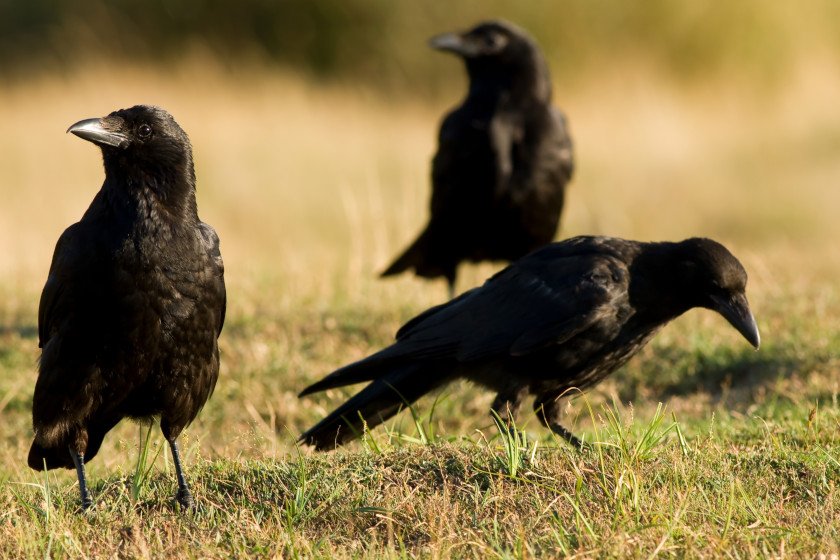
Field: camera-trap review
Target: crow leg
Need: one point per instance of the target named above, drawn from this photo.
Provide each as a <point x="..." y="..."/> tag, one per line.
<point x="79" y="461"/>
<point x="567" y="435"/>
<point x="547" y="409"/>
<point x="183" y="496"/>
<point x="450" y="276"/>
<point x="507" y="403"/>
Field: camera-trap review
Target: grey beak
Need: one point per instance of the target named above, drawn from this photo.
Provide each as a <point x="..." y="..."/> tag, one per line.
<point x="736" y="310"/>
<point x="452" y="42"/>
<point x="94" y="130"/>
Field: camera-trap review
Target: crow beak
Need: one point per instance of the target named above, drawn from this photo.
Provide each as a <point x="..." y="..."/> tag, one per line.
<point x="100" y="132"/>
<point x="452" y="42"/>
<point x="736" y="310"/>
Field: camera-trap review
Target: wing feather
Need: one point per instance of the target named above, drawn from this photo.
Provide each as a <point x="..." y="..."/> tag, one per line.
<point x="522" y="309"/>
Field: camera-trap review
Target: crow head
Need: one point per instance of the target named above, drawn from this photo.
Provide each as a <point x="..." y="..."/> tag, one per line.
<point x="713" y="278"/>
<point x="498" y="53"/>
<point x="142" y="147"/>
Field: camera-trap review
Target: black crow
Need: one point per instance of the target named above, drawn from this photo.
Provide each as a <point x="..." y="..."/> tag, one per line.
<point x="134" y="301"/>
<point x="563" y="317"/>
<point x="503" y="160"/>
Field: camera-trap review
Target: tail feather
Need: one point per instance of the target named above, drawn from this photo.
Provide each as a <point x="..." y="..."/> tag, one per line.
<point x="376" y="403"/>
<point x="57" y="455"/>
<point x="410" y="258"/>
<point x="367" y="369"/>
<point x="52" y="457"/>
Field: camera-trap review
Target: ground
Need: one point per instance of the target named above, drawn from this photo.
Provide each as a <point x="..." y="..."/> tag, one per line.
<point x="702" y="446"/>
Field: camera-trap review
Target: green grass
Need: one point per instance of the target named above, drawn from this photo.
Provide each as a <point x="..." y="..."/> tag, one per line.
<point x="638" y="492"/>
<point x="312" y="190"/>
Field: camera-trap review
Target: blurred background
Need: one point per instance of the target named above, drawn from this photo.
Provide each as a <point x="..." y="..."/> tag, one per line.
<point x="313" y="126"/>
<point x="314" y="122"/>
<point x="380" y="43"/>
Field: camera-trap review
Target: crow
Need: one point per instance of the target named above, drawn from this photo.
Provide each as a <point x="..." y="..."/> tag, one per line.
<point x="503" y="161"/>
<point x="134" y="301"/>
<point x="563" y="317"/>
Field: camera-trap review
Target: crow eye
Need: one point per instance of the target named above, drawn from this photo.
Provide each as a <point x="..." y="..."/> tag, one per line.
<point x="144" y="131"/>
<point x="494" y="40"/>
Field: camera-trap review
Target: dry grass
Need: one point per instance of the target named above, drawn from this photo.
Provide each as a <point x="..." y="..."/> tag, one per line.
<point x="312" y="190"/>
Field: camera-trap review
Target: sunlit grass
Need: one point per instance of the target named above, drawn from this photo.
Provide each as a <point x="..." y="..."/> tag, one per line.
<point x="312" y="190"/>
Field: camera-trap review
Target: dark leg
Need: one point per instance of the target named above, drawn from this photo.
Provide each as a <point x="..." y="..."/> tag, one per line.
<point x="450" y="281"/>
<point x="567" y="435"/>
<point x="79" y="461"/>
<point x="547" y="409"/>
<point x="451" y="288"/>
<point x="506" y="404"/>
<point x="184" y="497"/>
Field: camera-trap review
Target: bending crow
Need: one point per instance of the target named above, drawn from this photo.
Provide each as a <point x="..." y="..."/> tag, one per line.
<point x="565" y="316"/>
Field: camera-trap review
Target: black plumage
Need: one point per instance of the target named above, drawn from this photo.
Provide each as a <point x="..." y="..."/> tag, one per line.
<point x="503" y="161"/>
<point x="563" y="317"/>
<point x="134" y="302"/>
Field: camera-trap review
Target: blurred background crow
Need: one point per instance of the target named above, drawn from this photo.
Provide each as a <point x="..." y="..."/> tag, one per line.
<point x="503" y="161"/>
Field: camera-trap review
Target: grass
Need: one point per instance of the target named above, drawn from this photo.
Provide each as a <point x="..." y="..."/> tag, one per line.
<point x="312" y="190"/>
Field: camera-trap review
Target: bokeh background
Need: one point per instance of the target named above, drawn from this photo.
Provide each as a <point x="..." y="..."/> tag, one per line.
<point x="314" y="122"/>
<point x="313" y="126"/>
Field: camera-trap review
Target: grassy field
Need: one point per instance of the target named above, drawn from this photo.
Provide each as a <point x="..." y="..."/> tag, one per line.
<point x="312" y="190"/>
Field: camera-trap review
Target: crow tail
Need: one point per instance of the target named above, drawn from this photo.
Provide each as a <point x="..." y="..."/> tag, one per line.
<point x="376" y="403"/>
<point x="52" y="457"/>
<point x="412" y="257"/>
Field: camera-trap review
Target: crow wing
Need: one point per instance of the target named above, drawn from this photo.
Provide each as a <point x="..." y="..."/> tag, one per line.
<point x="69" y="270"/>
<point x="524" y="308"/>
<point x="217" y="266"/>
<point x="463" y="167"/>
<point x="545" y="298"/>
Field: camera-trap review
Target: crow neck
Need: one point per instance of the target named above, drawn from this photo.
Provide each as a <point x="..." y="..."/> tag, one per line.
<point x="163" y="195"/>
<point x="518" y="85"/>
<point x="659" y="285"/>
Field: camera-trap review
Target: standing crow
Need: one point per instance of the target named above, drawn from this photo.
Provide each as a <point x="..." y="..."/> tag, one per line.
<point x="503" y="160"/>
<point x="134" y="302"/>
<point x="565" y="316"/>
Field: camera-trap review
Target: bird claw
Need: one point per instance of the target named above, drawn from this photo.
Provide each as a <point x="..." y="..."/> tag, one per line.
<point x="86" y="505"/>
<point x="572" y="440"/>
<point x="185" y="499"/>
<point x="581" y="445"/>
